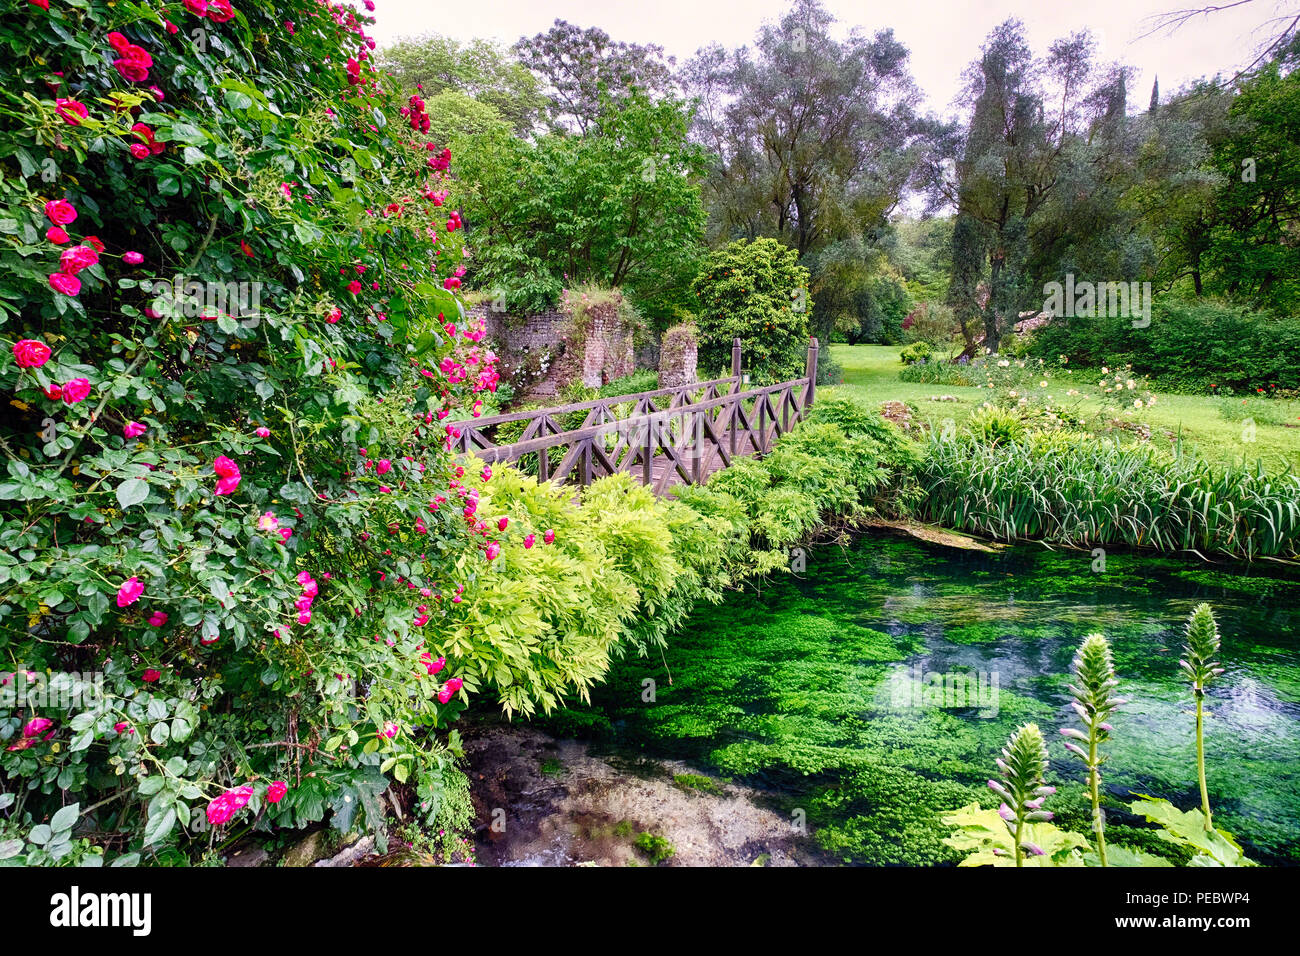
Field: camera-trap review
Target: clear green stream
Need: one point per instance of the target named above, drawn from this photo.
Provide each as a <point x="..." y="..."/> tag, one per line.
<point x="817" y="689"/>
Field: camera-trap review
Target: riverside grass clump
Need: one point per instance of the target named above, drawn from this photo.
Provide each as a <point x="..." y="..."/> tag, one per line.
<point x="1026" y="837"/>
<point x="1077" y="490"/>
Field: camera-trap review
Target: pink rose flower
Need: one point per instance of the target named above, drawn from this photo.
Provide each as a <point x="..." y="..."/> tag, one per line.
<point x="132" y="258"/>
<point x="276" y="791"/>
<point x="76" y="258"/>
<point x="65" y="283"/>
<point x="219" y="11"/>
<point x="158" y="619"/>
<point x="129" y="592"/>
<point x="60" y="212"/>
<point x="34" y="728"/>
<point x="228" y="804"/>
<point x="71" y="111"/>
<point x="383" y="466"/>
<point x="76" y="390"/>
<point x="549" y="537"/>
<point x="227" y="473"/>
<point x="262" y="432"/>
<point x="529" y="540"/>
<point x="151" y="676"/>
<point x="134" y="429"/>
<point x="29" y="353"/>
<point x="56" y="235"/>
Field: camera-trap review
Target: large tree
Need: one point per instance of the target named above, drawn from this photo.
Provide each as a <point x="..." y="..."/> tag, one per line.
<point x="813" y="135"/>
<point x="1035" y="183"/>
<point x="619" y="206"/>
<point x="580" y="68"/>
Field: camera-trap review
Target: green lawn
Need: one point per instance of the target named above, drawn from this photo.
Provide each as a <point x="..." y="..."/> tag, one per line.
<point x="871" y="374"/>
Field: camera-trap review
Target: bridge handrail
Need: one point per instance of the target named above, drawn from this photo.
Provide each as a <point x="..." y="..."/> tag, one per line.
<point x="593" y="403"/>
<point x="515" y="450"/>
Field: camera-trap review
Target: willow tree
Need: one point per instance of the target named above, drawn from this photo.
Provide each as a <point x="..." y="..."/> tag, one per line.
<point x="1038" y="126"/>
<point x="813" y="135"/>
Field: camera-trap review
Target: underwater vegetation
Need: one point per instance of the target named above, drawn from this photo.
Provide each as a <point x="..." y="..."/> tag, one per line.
<point x="871" y="694"/>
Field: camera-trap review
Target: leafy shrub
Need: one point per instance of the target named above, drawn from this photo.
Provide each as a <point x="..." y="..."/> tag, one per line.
<point x="938" y="372"/>
<point x="187" y="512"/>
<point x="1188" y="347"/>
<point x="642" y="380"/>
<point x="933" y="323"/>
<point x="755" y="291"/>
<point x="916" y="352"/>
<point x="996" y="426"/>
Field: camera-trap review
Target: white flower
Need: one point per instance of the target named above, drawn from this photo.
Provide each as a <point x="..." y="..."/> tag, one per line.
<point x="1137" y="403"/>
<point x="1105" y="370"/>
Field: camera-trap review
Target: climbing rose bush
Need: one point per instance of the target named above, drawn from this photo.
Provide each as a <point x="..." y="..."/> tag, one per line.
<point x="231" y="528"/>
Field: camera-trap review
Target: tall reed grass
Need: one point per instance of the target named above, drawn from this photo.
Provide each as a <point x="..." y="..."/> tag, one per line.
<point x="1083" y="491"/>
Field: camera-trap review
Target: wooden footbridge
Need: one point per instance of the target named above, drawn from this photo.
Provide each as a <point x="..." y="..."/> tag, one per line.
<point x="664" y="437"/>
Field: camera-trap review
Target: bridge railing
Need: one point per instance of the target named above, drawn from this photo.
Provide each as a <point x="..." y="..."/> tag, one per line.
<point x="685" y="433"/>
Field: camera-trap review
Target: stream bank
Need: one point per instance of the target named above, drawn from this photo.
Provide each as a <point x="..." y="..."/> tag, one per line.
<point x="548" y="801"/>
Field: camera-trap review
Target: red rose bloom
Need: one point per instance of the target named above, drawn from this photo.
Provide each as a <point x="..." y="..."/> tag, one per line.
<point x="71" y="111"/>
<point x="56" y="235"/>
<point x="276" y="791"/>
<point x="67" y="284"/>
<point x="219" y="11"/>
<point x="60" y="212"/>
<point x="29" y="353"/>
<point x="77" y="258"/>
<point x="75" y="390"/>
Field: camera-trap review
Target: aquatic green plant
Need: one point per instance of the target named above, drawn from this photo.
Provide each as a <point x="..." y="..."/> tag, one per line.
<point x="657" y="848"/>
<point x="1023" y="790"/>
<point x="1200" y="664"/>
<point x="1094" y="700"/>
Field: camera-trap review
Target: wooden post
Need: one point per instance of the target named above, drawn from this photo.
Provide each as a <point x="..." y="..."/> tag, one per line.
<point x="735" y="363"/>
<point x="648" y="451"/>
<point x="811" y="373"/>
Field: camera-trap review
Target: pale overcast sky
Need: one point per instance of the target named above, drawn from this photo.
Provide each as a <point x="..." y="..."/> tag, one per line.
<point x="943" y="37"/>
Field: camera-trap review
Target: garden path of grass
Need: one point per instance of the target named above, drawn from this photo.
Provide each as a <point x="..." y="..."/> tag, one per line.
<point x="871" y="374"/>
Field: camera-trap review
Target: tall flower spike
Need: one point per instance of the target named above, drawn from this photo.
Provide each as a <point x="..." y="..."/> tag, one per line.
<point x="1094" y="701"/>
<point x="1201" y="667"/>
<point x="1023" y="762"/>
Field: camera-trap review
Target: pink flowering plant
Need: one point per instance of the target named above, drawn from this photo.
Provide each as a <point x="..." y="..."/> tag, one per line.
<point x="218" y="285"/>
